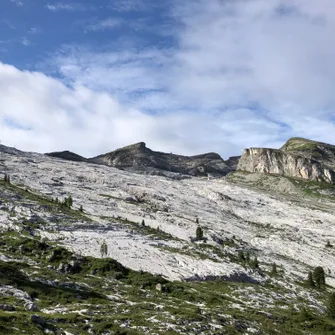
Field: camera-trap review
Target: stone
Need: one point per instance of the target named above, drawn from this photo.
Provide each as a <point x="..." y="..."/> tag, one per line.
<point x="8" y="308"/>
<point x="37" y="319"/>
<point x="31" y="306"/>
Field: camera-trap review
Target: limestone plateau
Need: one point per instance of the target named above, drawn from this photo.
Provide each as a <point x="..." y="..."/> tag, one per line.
<point x="298" y="158"/>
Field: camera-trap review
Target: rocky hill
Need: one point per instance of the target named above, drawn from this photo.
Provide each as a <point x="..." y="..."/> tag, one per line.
<point x="124" y="256"/>
<point x="299" y="158"/>
<point x="139" y="158"/>
<point x="67" y="155"/>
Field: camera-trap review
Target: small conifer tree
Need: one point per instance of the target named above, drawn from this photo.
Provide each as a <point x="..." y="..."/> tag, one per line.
<point x="241" y="256"/>
<point x="7" y="178"/>
<point x="103" y="249"/>
<point x="247" y="257"/>
<point x="310" y="280"/>
<point x="199" y="234"/>
<point x="274" y="270"/>
<point x="68" y="202"/>
<point x="331" y="306"/>
<point x="319" y="277"/>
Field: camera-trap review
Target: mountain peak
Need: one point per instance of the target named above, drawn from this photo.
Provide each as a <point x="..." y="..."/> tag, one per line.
<point x="137" y="157"/>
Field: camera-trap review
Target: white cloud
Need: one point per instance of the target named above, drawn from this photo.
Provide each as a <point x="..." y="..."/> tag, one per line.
<point x="40" y="113"/>
<point x="109" y="23"/>
<point x="34" y="30"/>
<point x="55" y="7"/>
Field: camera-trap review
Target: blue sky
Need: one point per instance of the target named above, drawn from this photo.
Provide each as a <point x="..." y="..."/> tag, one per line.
<point x="45" y="26"/>
<point x="183" y="76"/>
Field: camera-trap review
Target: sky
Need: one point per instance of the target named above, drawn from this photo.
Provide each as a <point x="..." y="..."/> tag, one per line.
<point x="186" y="77"/>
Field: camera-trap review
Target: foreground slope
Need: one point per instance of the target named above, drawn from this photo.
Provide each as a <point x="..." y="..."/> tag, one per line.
<point x="240" y="222"/>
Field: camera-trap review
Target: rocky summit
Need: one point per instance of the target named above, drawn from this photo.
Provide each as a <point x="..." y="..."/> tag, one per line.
<point x="88" y="248"/>
<point x="140" y="159"/>
<point x="299" y="158"/>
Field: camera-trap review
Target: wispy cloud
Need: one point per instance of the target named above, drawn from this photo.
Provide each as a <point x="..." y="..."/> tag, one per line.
<point x="9" y="24"/>
<point x="109" y="23"/>
<point x="18" y="3"/>
<point x="132" y="5"/>
<point x="71" y="7"/>
<point x="25" y="42"/>
<point x="34" y="30"/>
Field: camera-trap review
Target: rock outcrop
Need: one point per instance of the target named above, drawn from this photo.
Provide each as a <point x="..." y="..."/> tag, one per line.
<point x="298" y="158"/>
<point x="139" y="158"/>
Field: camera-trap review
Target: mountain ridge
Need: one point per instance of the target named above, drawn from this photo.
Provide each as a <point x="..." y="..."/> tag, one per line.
<point x="139" y="158"/>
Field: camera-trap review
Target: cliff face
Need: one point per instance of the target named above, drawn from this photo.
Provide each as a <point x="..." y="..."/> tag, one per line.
<point x="297" y="158"/>
<point x="138" y="157"/>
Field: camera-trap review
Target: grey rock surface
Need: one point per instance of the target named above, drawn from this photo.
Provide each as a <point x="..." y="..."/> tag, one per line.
<point x="298" y="158"/>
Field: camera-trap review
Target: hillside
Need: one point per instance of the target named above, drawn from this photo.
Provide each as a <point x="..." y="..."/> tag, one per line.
<point x="67" y="155"/>
<point x="124" y="259"/>
<point x="298" y="158"/>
